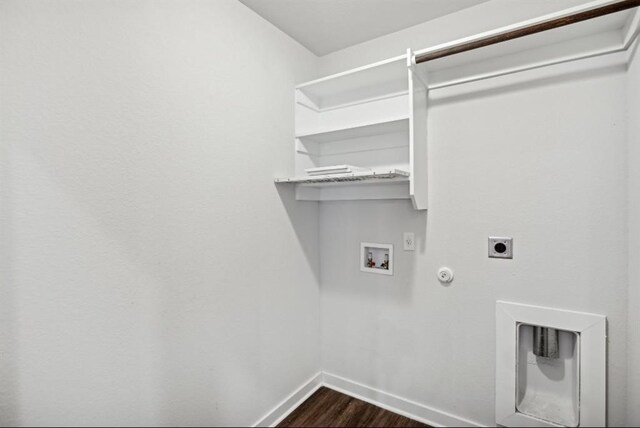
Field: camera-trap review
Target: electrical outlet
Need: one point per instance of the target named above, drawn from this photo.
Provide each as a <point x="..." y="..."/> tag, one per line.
<point x="500" y="248"/>
<point x="409" y="241"/>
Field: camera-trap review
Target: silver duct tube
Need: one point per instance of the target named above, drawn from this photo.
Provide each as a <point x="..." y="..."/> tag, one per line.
<point x="545" y="342"/>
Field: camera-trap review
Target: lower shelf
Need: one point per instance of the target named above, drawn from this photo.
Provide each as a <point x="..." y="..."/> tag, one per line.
<point x="368" y="185"/>
<point x="367" y="177"/>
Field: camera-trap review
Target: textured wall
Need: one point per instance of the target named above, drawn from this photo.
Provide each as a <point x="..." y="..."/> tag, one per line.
<point x="633" y="92"/>
<point x="151" y="271"/>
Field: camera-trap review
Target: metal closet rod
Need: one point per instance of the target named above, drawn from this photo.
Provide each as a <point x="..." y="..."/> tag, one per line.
<point x="526" y="31"/>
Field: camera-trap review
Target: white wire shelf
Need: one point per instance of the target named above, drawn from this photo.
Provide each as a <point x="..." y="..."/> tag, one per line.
<point x="366" y="177"/>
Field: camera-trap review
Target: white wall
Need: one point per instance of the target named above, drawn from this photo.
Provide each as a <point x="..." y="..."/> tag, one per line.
<point x="633" y="92"/>
<point x="151" y="272"/>
<point x="540" y="156"/>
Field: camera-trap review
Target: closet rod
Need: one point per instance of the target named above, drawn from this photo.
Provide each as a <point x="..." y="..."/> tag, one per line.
<point x="526" y="31"/>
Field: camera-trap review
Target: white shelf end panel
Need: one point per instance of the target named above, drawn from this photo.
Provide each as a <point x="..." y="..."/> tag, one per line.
<point x="418" y="161"/>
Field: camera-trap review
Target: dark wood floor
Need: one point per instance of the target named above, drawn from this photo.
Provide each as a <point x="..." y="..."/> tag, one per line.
<point x="329" y="408"/>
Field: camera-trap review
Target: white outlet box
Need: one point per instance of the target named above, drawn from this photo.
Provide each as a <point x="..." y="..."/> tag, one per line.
<point x="376" y="258"/>
<point x="500" y="248"/>
<point x="409" y="241"/>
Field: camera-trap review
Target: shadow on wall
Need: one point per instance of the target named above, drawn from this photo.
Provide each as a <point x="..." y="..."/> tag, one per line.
<point x="300" y="224"/>
<point x="632" y="53"/>
<point x="345" y="224"/>
<point x="369" y="319"/>
<point x="9" y="352"/>
<point x="500" y="86"/>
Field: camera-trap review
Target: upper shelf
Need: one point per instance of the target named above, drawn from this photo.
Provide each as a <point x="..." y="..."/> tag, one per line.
<point x="358" y="130"/>
<point x="368" y="82"/>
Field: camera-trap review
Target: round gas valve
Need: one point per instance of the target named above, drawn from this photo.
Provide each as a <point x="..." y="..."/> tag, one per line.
<point x="445" y="275"/>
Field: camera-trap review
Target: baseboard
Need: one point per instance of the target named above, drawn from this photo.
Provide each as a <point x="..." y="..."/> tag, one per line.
<point x="393" y="403"/>
<point x="282" y="410"/>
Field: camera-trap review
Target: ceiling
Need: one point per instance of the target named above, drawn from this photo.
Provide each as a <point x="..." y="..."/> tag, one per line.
<point x="325" y="26"/>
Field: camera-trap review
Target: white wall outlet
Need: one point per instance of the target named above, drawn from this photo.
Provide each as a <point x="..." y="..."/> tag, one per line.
<point x="409" y="241"/>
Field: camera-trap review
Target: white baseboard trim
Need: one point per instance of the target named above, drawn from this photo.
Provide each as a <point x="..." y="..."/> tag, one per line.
<point x="393" y="403"/>
<point x="289" y="404"/>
